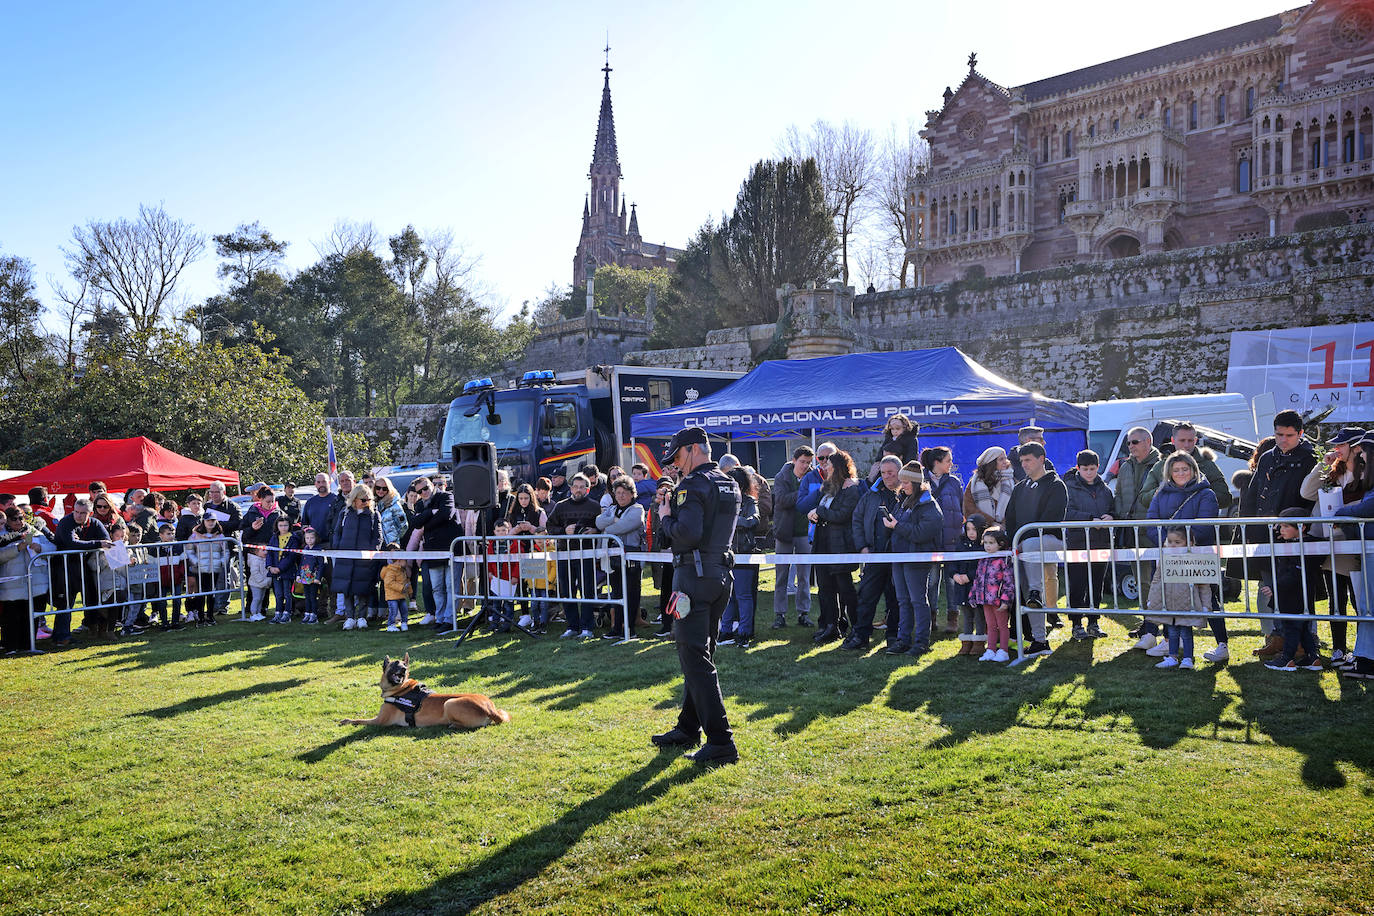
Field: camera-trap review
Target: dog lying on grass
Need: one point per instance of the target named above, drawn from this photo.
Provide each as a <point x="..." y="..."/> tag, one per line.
<point x="407" y="702"/>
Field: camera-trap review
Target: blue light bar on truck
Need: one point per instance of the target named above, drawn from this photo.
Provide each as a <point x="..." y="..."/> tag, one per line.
<point x="477" y="384"/>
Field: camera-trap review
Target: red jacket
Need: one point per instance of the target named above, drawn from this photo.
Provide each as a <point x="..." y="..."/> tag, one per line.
<point x="509" y="570"/>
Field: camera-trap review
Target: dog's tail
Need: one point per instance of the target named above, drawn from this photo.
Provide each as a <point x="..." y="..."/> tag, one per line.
<point x="498" y="716"/>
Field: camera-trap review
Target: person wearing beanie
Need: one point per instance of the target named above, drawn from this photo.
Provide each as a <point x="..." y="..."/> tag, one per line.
<point x="989" y="489"/>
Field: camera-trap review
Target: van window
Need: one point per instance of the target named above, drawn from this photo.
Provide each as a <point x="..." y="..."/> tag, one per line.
<point x="1102" y="441"/>
<point x="561" y="432"/>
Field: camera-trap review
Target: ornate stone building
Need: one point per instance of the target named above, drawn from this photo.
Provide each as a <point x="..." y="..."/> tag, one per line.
<point x="1259" y="129"/>
<point x="610" y="235"/>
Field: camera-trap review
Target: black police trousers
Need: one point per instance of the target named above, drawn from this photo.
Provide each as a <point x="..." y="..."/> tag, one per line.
<point x="703" y="708"/>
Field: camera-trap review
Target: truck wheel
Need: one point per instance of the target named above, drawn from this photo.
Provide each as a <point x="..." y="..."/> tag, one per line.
<point x="1130" y="588"/>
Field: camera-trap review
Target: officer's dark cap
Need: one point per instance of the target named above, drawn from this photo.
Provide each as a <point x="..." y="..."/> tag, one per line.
<point x="691" y="435"/>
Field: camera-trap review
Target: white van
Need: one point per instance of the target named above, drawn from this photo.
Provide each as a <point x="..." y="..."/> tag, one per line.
<point x="1108" y="421"/>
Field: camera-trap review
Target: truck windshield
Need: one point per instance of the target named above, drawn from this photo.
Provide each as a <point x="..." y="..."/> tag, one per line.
<point x="515" y="431"/>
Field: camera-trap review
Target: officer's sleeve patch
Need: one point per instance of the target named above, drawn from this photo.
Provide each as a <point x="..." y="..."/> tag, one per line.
<point x="681" y="497"/>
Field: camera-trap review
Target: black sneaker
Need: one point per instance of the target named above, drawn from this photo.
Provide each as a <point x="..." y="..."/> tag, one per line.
<point x="714" y="755"/>
<point x="743" y="640"/>
<point x="726" y="639"/>
<point x="897" y="648"/>
<point x="779" y="621"/>
<point x="664" y="633"/>
<point x="1079" y="632"/>
<point x="1096" y="632"/>
<point x="917" y="650"/>
<point x="804" y="620"/>
<point x="1363" y="669"/>
<point x="1034" y="601"/>
<point x="855" y="644"/>
<point x="1036" y="647"/>
<point x="675" y="737"/>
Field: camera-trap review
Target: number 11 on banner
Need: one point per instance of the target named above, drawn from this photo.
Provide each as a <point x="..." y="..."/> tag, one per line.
<point x="1328" y="376"/>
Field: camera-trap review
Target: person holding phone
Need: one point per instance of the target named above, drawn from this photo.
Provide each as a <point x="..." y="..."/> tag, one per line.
<point x="878" y="503"/>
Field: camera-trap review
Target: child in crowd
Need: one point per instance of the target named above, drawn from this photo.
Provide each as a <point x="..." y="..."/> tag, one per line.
<point x="140" y="578"/>
<point x="281" y="566"/>
<point x="1298" y="584"/>
<point x="503" y="574"/>
<point x="207" y="555"/>
<point x="1176" y="596"/>
<point x="310" y="575"/>
<point x="166" y="556"/>
<point x="259" y="582"/>
<point x="396" y="586"/>
<point x="111" y="587"/>
<point x="994" y="590"/>
<point x="972" y="619"/>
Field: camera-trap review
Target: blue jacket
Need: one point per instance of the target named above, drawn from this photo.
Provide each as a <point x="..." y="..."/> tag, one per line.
<point x="809" y="492"/>
<point x="1173" y="505"/>
<point x="284" y="560"/>
<point x="949" y="493"/>
<point x="919" y="529"/>
<point x="1362" y="509"/>
<point x="357" y="531"/>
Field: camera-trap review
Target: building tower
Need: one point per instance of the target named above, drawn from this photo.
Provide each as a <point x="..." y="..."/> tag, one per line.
<point x="603" y="225"/>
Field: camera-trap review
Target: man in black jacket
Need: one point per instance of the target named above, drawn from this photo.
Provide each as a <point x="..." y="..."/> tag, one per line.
<point x="289" y="505"/>
<point x="436" y="516"/>
<point x="576" y="578"/>
<point x="78" y="530"/>
<point x="790" y="532"/>
<point x="879" y="501"/>
<point x="1039" y="497"/>
<point x="1277" y="486"/>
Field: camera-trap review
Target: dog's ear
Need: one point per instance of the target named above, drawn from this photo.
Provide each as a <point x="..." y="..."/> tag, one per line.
<point x="386" y="662"/>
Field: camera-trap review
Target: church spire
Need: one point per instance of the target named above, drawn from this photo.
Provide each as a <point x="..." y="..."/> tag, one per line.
<point x="605" y="159"/>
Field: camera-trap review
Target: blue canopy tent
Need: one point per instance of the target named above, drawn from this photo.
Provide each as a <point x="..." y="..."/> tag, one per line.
<point x="957" y="402"/>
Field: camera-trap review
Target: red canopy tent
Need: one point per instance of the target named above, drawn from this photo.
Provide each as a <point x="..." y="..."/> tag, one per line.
<point x="121" y="464"/>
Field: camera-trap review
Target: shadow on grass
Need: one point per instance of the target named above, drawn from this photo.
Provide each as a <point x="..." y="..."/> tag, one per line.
<point x="214" y="699"/>
<point x="369" y="732"/>
<point x="1295" y="711"/>
<point x="526" y="857"/>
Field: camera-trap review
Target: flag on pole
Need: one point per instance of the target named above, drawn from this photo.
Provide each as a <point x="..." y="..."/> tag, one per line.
<point x="333" y="462"/>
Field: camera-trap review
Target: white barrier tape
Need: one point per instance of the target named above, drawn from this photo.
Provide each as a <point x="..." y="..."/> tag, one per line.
<point x="600" y="553"/>
<point x="826" y="559"/>
<point x="1225" y="551"/>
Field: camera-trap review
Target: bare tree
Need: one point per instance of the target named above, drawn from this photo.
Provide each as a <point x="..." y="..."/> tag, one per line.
<point x="848" y="162"/>
<point x="80" y="303"/>
<point x="348" y="237"/>
<point x="135" y="262"/>
<point x="904" y="155"/>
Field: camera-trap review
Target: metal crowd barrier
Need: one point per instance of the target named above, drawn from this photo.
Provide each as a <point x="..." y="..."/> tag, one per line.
<point x="1319" y="536"/>
<point x="71" y="573"/>
<point x="543" y="570"/>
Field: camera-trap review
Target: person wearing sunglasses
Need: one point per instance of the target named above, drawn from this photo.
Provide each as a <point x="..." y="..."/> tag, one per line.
<point x="437" y="518"/>
<point x="1133" y="473"/>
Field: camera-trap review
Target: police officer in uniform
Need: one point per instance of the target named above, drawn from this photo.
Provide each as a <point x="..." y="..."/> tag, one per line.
<point x="699" y="519"/>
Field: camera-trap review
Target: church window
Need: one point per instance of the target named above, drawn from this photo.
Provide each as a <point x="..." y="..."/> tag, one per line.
<point x="1243" y="175"/>
<point x="1316" y="153"/>
<point x="1168" y="116"/>
<point x="1250" y="101"/>
<point x="973" y="219"/>
<point x="1192" y="115"/>
<point x="1348" y="148"/>
<point x="1045" y="148"/>
<point x="1221" y="108"/>
<point x="1116" y="124"/>
<point x="996" y="214"/>
<point x="1068" y="143"/>
<point x="1278" y="157"/>
<point x="1278" y="122"/>
<point x="1092" y="130"/>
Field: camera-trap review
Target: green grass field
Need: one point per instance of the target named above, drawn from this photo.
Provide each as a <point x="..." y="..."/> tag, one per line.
<point x="204" y="772"/>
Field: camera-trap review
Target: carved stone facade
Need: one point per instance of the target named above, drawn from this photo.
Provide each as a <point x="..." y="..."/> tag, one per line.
<point x="1153" y="325"/>
<point x="1228" y="136"/>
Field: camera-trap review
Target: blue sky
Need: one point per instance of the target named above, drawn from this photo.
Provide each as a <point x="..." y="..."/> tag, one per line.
<point x="475" y="117"/>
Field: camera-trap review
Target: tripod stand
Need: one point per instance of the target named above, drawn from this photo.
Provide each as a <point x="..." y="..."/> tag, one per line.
<point x="481" y="613"/>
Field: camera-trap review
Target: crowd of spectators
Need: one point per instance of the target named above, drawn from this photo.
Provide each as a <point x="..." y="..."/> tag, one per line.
<point x="182" y="560"/>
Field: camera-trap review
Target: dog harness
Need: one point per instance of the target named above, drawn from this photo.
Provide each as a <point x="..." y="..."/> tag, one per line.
<point x="409" y="702"/>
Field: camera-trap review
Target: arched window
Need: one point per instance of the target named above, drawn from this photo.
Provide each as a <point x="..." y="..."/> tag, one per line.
<point x="1168" y="116"/>
<point x="1243" y="175"/>
<point x="1116" y="124"/>
<point x="1192" y="115"/>
<point x="1348" y="147"/>
<point x="1092" y="130"/>
<point x="1278" y="122"/>
<point x="1068" y="143"/>
<point x="1221" y="108"/>
<point x="1045" y="148"/>
<point x="1278" y="157"/>
<point x="1250" y="101"/>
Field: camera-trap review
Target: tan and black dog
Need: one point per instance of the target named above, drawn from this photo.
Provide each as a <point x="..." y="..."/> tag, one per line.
<point x="409" y="703"/>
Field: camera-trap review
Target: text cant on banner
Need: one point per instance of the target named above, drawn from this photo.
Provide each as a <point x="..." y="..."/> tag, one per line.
<point x="1192" y="568"/>
<point x="1308" y="369"/>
